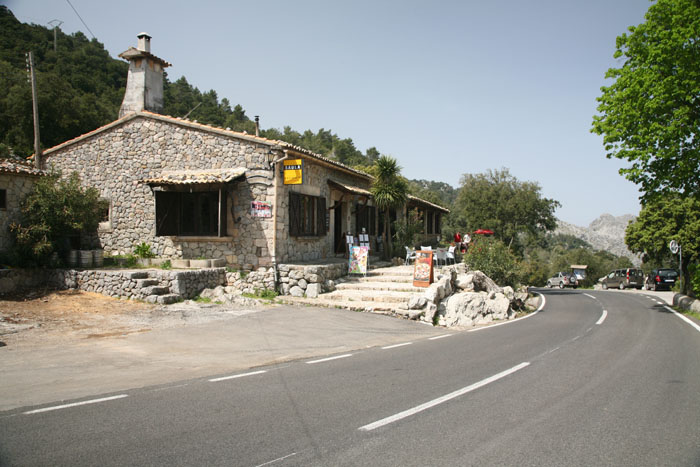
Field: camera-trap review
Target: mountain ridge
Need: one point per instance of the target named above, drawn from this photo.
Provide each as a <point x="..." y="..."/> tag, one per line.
<point x="606" y="233"/>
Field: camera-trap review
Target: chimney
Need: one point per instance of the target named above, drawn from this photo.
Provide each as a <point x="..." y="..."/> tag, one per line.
<point x="144" y="42"/>
<point x="144" y="83"/>
<point x="257" y="125"/>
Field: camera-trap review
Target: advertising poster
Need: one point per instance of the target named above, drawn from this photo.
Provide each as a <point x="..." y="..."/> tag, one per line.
<point x="292" y="172"/>
<point x="357" y="263"/>
<point x="260" y="209"/>
<point x="423" y="268"/>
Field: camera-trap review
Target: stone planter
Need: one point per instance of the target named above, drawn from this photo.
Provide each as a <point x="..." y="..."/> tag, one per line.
<point x="218" y="263"/>
<point x="180" y="263"/>
<point x="200" y="263"/>
<point x="157" y="262"/>
<point x="144" y="261"/>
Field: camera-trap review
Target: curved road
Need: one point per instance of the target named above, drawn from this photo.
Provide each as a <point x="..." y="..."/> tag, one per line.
<point x="595" y="378"/>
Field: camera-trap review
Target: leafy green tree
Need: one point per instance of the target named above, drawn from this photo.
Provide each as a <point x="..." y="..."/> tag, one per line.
<point x="670" y="218"/>
<point x="389" y="191"/>
<point x="55" y="210"/>
<point x="650" y="115"/>
<point x="498" y="201"/>
<point x="492" y="257"/>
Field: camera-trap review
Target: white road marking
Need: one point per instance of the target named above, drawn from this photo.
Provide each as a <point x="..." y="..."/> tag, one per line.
<point x="684" y="318"/>
<point x="75" y="404"/>
<point x="440" y="400"/>
<point x="439" y="337"/>
<point x="602" y="317"/>
<point x="396" y="345"/>
<point x="277" y="460"/>
<point x="224" y="378"/>
<point x="539" y="308"/>
<point x="330" y="358"/>
<point x="588" y="295"/>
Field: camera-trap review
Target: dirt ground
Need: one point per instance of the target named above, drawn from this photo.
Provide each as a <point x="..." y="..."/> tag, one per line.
<point x="50" y="318"/>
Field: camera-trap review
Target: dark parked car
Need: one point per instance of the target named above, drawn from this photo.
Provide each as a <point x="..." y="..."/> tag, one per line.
<point x="661" y="279"/>
<point x="624" y="279"/>
<point x="563" y="279"/>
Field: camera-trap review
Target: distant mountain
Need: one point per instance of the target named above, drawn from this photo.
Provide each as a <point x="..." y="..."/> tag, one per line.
<point x="605" y="233"/>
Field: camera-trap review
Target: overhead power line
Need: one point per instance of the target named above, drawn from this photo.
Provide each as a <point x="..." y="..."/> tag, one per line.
<point x="81" y="19"/>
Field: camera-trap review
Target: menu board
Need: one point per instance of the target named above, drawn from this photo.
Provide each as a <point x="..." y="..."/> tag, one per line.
<point x="423" y="268"/>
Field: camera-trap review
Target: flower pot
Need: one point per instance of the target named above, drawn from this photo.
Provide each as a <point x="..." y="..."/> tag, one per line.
<point x="85" y="258"/>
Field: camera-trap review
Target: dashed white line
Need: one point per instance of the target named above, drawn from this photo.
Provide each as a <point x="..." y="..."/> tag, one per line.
<point x="440" y="400"/>
<point x="277" y="460"/>
<point x="396" y="345"/>
<point x="602" y="317"/>
<point x="439" y="337"/>
<point x="684" y="318"/>
<point x="589" y="295"/>
<point x="241" y="375"/>
<point x="75" y="404"/>
<point x="330" y="358"/>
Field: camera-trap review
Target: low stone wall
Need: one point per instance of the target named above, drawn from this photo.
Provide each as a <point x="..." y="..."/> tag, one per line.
<point x="310" y="280"/>
<point x="119" y="283"/>
<point x="687" y="303"/>
<point x="250" y="282"/>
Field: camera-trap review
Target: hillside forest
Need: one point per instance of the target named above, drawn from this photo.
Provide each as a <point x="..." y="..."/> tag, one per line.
<point x="80" y="88"/>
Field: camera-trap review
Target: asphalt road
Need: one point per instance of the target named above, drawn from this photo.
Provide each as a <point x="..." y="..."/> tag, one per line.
<point x="596" y="378"/>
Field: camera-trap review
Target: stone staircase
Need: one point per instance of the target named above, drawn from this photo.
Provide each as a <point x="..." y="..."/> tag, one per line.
<point x="151" y="291"/>
<point x="384" y="290"/>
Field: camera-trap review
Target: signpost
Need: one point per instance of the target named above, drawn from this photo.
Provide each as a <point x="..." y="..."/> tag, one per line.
<point x="675" y="248"/>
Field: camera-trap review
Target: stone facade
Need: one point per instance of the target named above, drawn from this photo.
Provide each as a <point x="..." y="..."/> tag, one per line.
<point x="120" y="157"/>
<point x="17" y="180"/>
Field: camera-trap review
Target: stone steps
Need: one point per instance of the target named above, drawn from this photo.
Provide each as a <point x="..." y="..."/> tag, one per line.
<point x="379" y="286"/>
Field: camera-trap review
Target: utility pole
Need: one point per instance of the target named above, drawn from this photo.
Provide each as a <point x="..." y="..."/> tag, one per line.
<point x="55" y="23"/>
<point x="35" y="108"/>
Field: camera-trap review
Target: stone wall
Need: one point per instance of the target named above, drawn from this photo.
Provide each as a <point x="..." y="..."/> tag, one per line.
<point x="310" y="280"/>
<point x="17" y="186"/>
<point x="126" y="284"/>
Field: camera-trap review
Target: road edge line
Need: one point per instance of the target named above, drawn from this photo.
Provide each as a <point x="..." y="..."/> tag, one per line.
<point x="684" y="318"/>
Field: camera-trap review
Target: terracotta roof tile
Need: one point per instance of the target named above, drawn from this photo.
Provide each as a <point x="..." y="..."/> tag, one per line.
<point x="197" y="177"/>
<point x="19" y="167"/>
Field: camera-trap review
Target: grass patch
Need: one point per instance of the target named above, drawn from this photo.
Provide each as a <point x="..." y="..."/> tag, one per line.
<point x="262" y="294"/>
<point x="691" y="313"/>
<point x="199" y="299"/>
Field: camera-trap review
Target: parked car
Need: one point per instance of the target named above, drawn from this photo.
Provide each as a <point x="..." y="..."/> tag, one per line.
<point x="563" y="279"/>
<point x="624" y="279"/>
<point x="661" y="279"/>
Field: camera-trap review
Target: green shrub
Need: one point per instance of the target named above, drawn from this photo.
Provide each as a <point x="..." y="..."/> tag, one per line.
<point x="494" y="259"/>
<point x="166" y="264"/>
<point x="144" y="251"/>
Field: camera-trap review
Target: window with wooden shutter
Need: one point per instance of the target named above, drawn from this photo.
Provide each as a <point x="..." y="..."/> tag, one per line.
<point x="167" y="208"/>
<point x="201" y="213"/>
<point x="307" y="215"/>
<point x="294" y="214"/>
<point x="320" y="216"/>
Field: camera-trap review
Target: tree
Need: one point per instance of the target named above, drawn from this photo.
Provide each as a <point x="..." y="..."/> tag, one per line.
<point x="498" y="201"/>
<point x="659" y="222"/>
<point x="56" y="209"/>
<point x="492" y="257"/>
<point x="650" y="115"/>
<point x="389" y="191"/>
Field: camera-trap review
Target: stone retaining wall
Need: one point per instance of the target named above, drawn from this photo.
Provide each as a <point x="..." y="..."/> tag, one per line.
<point x="310" y="280"/>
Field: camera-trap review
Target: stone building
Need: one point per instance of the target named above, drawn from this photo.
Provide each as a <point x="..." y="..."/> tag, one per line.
<point x="16" y="181"/>
<point x="191" y="190"/>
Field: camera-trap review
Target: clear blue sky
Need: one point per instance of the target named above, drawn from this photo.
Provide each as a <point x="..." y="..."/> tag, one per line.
<point x="446" y="87"/>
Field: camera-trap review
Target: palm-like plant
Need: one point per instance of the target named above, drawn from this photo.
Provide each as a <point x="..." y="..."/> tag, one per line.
<point x="389" y="191"/>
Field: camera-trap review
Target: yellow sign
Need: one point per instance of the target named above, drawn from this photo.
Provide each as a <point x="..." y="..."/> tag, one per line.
<point x="292" y="172"/>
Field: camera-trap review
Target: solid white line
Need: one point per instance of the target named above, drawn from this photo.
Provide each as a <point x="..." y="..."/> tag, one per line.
<point x="539" y="308"/>
<point x="75" y="404"/>
<point x="513" y="320"/>
<point x="224" y="378"/>
<point x="602" y="317"/>
<point x="684" y="318"/>
<point x="396" y="345"/>
<point x="440" y="400"/>
<point x="439" y="337"/>
<point x="330" y="358"/>
<point x="277" y="460"/>
<point x="588" y="295"/>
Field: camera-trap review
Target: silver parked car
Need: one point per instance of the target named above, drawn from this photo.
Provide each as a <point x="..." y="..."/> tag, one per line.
<point x="563" y="279"/>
